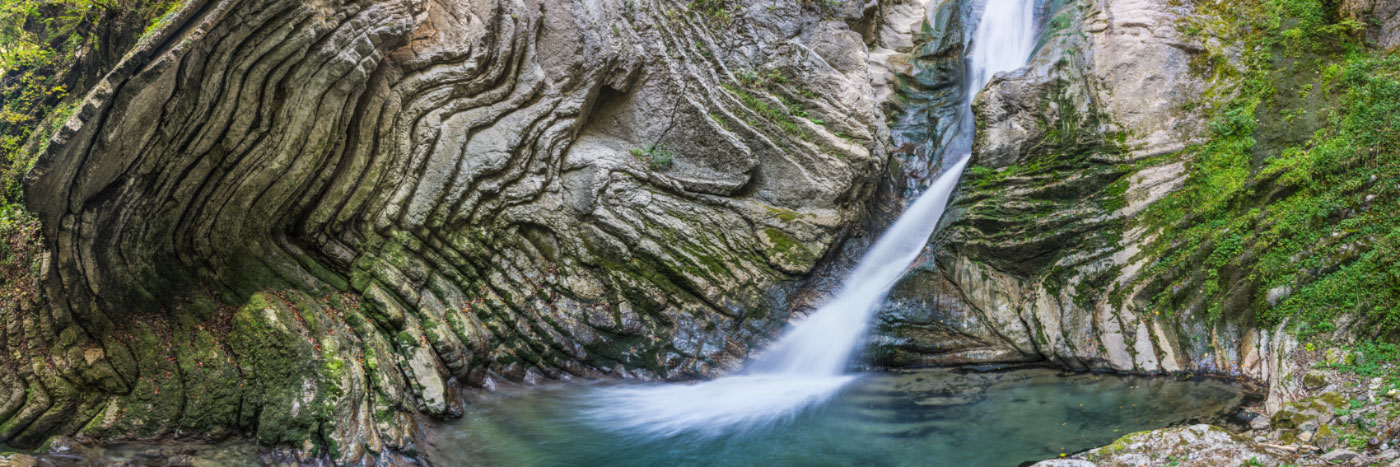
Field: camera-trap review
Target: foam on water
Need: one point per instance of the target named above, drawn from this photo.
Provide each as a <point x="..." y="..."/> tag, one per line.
<point x="734" y="403"/>
<point x="931" y="417"/>
<point x="805" y="367"/>
<point x="822" y="344"/>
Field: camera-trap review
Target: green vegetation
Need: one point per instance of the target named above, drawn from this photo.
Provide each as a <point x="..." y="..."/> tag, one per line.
<point x="1294" y="191"/>
<point x="720" y="12"/>
<point x="1372" y="359"/>
<point x="777" y="115"/>
<point x="1028" y="214"/>
<point x="43" y="46"/>
<point x="657" y="156"/>
<point x="20" y="250"/>
<point x="49" y="49"/>
<point x="760" y="91"/>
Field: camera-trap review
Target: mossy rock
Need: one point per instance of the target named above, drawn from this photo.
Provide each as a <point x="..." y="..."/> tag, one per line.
<point x="1314" y="379"/>
<point x="787" y="253"/>
<point x="1298" y="414"/>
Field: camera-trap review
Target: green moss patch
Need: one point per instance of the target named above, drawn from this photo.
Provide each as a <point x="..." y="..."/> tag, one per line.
<point x="1273" y="225"/>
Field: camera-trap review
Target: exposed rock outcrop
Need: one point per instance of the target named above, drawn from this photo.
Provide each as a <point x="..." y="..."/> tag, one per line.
<point x="1344" y="420"/>
<point x="927" y="110"/>
<point x="314" y="220"/>
<point x="1381" y="18"/>
<point x="1195" y="445"/>
<point x="1039" y="260"/>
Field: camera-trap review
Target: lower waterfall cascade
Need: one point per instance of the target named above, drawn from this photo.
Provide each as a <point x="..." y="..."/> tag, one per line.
<point x="805" y="366"/>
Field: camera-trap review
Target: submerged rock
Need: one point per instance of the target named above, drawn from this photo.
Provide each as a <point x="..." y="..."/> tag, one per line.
<point x="316" y="222"/>
<point x="1347" y="426"/>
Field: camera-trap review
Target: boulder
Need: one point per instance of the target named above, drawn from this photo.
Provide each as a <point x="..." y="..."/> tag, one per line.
<point x="1063" y="463"/>
<point x="1314" y="380"/>
<point x="1339" y="456"/>
<point x="1188" y="446"/>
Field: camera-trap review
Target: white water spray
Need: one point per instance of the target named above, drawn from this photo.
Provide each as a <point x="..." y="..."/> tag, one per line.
<point x="822" y="344"/>
<point x="1003" y="41"/>
<point x="806" y="366"/>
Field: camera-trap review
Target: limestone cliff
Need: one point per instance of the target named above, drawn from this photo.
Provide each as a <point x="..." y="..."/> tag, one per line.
<point x="1184" y="187"/>
<point x="313" y="221"/>
<point x="1024" y="269"/>
<point x="1127" y="207"/>
<point x="317" y="221"/>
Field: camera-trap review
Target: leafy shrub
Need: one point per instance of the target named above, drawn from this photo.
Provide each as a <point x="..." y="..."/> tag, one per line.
<point x="48" y="48"/>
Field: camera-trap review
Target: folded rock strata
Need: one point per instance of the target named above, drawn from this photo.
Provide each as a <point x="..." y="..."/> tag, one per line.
<point x="315" y="220"/>
<point x="1039" y="260"/>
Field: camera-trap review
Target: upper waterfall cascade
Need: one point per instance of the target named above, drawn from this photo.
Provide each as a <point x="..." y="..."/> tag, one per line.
<point x="806" y="366"/>
<point x="1003" y="41"/>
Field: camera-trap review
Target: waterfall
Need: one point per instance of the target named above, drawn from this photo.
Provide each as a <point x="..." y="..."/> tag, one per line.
<point x="823" y="343"/>
<point x="1003" y="41"/>
<point x="805" y="367"/>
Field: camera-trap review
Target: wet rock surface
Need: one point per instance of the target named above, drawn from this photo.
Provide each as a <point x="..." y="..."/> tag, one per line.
<point x="1348" y="420"/>
<point x="313" y="222"/>
<point x="926" y="107"/>
<point x="938" y="416"/>
<point x="1039" y="259"/>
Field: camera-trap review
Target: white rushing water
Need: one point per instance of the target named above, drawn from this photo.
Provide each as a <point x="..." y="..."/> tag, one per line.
<point x="805" y="367"/>
<point x="1003" y="41"/>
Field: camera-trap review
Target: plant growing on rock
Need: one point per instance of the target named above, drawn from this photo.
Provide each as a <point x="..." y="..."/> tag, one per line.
<point x="1277" y="200"/>
<point x="656" y="156"/>
<point x="433" y="183"/>
<point x="48" y="49"/>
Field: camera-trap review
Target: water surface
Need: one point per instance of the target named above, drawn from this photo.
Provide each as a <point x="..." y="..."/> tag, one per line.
<point x="909" y="418"/>
<point x="233" y="453"/>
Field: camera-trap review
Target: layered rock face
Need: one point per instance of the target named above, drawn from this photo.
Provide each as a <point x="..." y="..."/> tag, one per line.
<point x="1041" y="258"/>
<point x="1381" y="19"/>
<point x="927" y="111"/>
<point x="313" y="220"/>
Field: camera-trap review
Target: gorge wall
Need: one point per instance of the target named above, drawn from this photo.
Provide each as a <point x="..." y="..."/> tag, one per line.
<point x="314" y="221"/>
<point x="1069" y="150"/>
<point x="1149" y="195"/>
